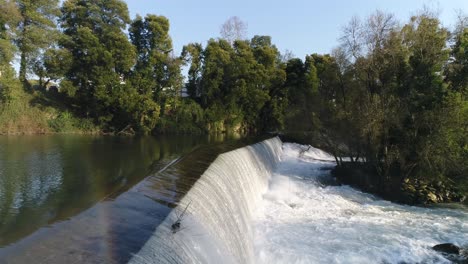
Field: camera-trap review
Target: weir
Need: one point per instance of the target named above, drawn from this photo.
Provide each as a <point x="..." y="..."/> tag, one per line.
<point x="215" y="214"/>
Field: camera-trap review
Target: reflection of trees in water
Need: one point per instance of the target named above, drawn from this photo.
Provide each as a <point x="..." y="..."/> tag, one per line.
<point x="44" y="179"/>
<point x="27" y="176"/>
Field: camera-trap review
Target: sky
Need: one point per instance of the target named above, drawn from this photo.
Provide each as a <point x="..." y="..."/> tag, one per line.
<point x="301" y="26"/>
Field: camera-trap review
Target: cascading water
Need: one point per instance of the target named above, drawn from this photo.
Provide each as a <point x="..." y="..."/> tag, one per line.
<point x="250" y="207"/>
<point x="305" y="217"/>
<point x="216" y="214"/>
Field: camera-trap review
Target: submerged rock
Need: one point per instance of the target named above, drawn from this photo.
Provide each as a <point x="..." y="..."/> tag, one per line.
<point x="447" y="248"/>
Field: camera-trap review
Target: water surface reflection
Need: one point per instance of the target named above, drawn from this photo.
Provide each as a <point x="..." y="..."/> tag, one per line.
<point x="45" y="179"/>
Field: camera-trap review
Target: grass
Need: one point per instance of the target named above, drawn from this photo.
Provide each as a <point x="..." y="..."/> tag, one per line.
<point x="40" y="113"/>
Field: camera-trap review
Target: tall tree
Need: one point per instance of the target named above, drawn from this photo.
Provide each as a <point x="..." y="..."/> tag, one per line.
<point x="157" y="71"/>
<point x="271" y="76"/>
<point x="9" y="17"/>
<point x="36" y="30"/>
<point x="457" y="70"/>
<point x="426" y="40"/>
<point x="193" y="54"/>
<point x="102" y="58"/>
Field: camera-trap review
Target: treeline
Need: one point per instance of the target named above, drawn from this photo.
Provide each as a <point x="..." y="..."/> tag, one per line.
<point x="122" y="74"/>
<point x="392" y="95"/>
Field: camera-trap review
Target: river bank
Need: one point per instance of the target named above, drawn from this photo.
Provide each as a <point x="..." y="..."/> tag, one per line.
<point x="30" y="112"/>
<point x="412" y="191"/>
<point x="406" y="190"/>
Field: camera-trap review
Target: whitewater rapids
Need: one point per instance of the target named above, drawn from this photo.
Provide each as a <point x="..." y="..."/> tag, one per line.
<point x="275" y="202"/>
<point x="305" y="218"/>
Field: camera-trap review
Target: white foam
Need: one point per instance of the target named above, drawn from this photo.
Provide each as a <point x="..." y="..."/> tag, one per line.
<point x="302" y="221"/>
<point x="307" y="152"/>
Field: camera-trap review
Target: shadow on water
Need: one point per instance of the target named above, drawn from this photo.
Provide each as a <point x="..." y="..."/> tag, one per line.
<point x="82" y="199"/>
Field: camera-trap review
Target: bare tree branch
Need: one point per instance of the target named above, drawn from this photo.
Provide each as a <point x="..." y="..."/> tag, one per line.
<point x="234" y="29"/>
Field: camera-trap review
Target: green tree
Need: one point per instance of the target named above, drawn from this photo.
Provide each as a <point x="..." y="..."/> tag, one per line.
<point x="217" y="57"/>
<point x="102" y="59"/>
<point x="457" y="69"/>
<point x="271" y="76"/>
<point x="302" y="86"/>
<point x="52" y="65"/>
<point x="36" y="30"/>
<point x="193" y="54"/>
<point x="385" y="99"/>
<point x="157" y="72"/>
<point x="9" y="17"/>
<point x="156" y="69"/>
<point x="424" y="91"/>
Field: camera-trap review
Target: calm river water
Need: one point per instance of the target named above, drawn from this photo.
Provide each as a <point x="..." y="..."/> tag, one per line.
<point x="48" y="179"/>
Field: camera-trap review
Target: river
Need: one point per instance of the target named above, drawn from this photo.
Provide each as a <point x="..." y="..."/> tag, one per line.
<point x="94" y="199"/>
<point x="306" y="217"/>
<point x="72" y="193"/>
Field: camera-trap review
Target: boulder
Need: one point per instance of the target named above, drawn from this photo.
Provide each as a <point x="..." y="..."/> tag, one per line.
<point x="447" y="248"/>
<point x="432" y="197"/>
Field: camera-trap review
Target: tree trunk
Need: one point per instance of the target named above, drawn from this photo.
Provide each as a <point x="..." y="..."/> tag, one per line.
<point x="336" y="159"/>
<point x="23" y="65"/>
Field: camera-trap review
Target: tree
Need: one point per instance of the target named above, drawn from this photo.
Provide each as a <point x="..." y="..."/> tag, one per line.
<point x="234" y="29"/>
<point x="386" y="101"/>
<point x="102" y="58"/>
<point x="36" y="30"/>
<point x="426" y="40"/>
<point x="272" y="76"/>
<point x="248" y="85"/>
<point x="157" y="71"/>
<point x="302" y="84"/>
<point x="457" y="70"/>
<point x="193" y="54"/>
<point x="52" y="65"/>
<point x="239" y="85"/>
<point x="9" y="17"/>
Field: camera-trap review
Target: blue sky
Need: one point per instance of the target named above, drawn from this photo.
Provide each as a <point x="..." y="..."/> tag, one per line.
<point x="302" y="26"/>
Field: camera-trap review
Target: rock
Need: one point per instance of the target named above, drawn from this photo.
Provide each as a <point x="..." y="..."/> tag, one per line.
<point x="448" y="248"/>
<point x="411" y="188"/>
<point x="464" y="253"/>
<point x="462" y="198"/>
<point x="432" y="197"/>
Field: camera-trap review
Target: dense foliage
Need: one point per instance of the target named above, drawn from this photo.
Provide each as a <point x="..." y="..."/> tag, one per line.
<point x="396" y="98"/>
<point x="391" y="95"/>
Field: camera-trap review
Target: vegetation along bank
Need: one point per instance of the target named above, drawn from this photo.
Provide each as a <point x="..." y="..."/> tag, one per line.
<point x="389" y="102"/>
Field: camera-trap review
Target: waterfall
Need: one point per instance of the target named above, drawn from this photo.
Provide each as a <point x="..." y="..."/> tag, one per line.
<point x="216" y="214"/>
